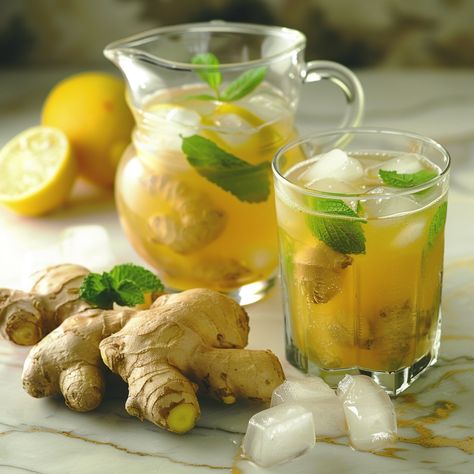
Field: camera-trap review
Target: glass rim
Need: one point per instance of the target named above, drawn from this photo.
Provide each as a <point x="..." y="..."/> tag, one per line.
<point x="360" y="131"/>
<point x="130" y="43"/>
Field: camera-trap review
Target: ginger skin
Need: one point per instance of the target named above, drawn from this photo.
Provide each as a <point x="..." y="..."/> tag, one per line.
<point x="185" y="341"/>
<point x="26" y="317"/>
<point x="194" y="220"/>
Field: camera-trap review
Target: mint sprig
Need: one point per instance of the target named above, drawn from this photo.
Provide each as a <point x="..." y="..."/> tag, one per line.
<point x="406" y="180"/>
<point x="244" y="84"/>
<point x="212" y="75"/>
<point x="437" y="224"/>
<point x="342" y="235"/>
<point x="249" y="183"/>
<point x="125" y="285"/>
<point x="238" y="88"/>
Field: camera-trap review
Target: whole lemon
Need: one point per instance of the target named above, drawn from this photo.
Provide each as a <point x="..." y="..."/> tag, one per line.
<point x="90" y="108"/>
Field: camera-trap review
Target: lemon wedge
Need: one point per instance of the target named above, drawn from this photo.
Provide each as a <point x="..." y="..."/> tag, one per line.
<point x="37" y="171"/>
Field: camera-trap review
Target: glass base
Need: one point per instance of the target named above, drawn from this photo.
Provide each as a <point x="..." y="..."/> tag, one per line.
<point x="393" y="383"/>
<point x="246" y="294"/>
<point x="252" y="292"/>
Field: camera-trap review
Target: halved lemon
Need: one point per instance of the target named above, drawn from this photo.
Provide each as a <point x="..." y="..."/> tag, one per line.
<point x="37" y="171"/>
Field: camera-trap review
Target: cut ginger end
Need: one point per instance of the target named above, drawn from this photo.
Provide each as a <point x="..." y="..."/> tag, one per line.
<point x="182" y="418"/>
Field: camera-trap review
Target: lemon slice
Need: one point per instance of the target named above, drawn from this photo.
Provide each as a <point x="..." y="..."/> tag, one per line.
<point x="37" y="171"/>
<point x="251" y="142"/>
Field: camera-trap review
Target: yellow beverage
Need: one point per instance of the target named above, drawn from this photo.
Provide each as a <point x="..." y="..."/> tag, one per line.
<point x="192" y="230"/>
<point x="362" y="269"/>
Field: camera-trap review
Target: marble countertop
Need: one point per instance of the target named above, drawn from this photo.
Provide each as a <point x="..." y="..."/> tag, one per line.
<point x="435" y="416"/>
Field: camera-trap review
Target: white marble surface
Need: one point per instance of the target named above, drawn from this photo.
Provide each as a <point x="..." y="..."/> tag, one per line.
<point x="435" y="416"/>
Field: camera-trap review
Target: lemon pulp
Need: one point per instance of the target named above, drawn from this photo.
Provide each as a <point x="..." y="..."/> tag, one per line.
<point x="36" y="171"/>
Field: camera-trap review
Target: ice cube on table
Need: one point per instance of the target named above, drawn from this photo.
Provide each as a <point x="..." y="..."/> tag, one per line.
<point x="334" y="164"/>
<point x="310" y="388"/>
<point x="278" y="434"/>
<point x="87" y="245"/>
<point x="404" y="164"/>
<point x="370" y="415"/>
<point x="315" y="395"/>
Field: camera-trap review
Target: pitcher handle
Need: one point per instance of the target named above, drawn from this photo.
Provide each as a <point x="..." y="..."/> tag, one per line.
<point x="346" y="80"/>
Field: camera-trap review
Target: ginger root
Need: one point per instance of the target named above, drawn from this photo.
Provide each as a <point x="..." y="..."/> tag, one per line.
<point x="185" y="341"/>
<point x="26" y="317"/>
<point x="194" y="221"/>
<point x="319" y="271"/>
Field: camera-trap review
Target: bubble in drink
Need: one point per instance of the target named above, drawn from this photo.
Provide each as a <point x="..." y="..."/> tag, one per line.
<point x="370" y="414"/>
<point x="278" y="434"/>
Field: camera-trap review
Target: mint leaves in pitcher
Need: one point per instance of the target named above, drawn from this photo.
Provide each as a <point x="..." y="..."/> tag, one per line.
<point x="249" y="183"/>
<point x="238" y="88"/>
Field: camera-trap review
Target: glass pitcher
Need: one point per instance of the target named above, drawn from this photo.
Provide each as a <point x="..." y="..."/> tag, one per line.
<point x="212" y="103"/>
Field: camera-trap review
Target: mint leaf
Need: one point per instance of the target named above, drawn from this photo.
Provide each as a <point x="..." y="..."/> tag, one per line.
<point x="128" y="293"/>
<point x="249" y="183"/>
<point x="124" y="284"/>
<point x="143" y="278"/>
<point x="342" y="235"/>
<point x="437" y="223"/>
<point x="212" y="75"/>
<point x="96" y="291"/>
<point x="244" y="84"/>
<point x="401" y="180"/>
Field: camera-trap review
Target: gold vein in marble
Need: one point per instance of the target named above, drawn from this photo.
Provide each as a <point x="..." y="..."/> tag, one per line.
<point x="72" y="435"/>
<point x="442" y="409"/>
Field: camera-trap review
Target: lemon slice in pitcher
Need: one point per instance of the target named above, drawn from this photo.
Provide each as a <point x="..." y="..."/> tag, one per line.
<point x="37" y="171"/>
<point x="242" y="132"/>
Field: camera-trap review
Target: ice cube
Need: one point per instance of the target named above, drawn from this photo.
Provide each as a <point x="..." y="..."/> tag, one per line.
<point x="332" y="185"/>
<point x="315" y="395"/>
<point x="310" y="388"/>
<point x="187" y="118"/>
<point x="87" y="245"/>
<point x="278" y="434"/>
<point x="405" y="164"/>
<point x="391" y="205"/>
<point x="334" y="164"/>
<point x="232" y="122"/>
<point x="233" y="129"/>
<point x="369" y="412"/>
<point x="410" y="233"/>
<point x="174" y="122"/>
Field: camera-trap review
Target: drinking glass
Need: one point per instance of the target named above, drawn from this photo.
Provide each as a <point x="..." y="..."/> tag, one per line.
<point x="361" y="215"/>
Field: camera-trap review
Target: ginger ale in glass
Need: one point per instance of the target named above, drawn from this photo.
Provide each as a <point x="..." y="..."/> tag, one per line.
<point x="361" y="215"/>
